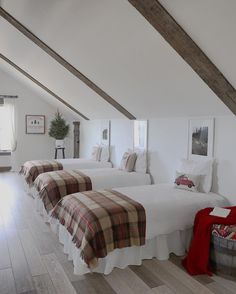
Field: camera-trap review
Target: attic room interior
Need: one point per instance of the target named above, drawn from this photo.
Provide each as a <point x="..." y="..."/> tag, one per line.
<point x="117" y="146"/>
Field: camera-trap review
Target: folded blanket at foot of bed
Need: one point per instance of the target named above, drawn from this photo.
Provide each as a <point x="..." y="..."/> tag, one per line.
<point x="197" y="260"/>
<point x="100" y="222"/>
<point x="53" y="186"/>
<point x="31" y="169"/>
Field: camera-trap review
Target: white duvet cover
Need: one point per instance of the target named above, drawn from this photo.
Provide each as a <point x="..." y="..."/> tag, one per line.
<point x="82" y="163"/>
<point x="170" y="215"/>
<point x="104" y="178"/>
<point x="169" y="209"/>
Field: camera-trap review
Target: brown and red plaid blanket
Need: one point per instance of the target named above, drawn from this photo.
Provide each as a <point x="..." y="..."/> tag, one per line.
<point x="31" y="169"/>
<point x="101" y="222"/>
<point x="52" y="186"/>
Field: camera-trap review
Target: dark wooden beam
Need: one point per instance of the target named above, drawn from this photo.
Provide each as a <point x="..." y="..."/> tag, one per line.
<point x="8" y="96"/>
<point x="173" y="33"/>
<point x="64" y="63"/>
<point x="41" y="85"/>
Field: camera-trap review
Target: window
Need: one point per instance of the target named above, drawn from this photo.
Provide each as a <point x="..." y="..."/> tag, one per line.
<point x="7" y="126"/>
<point x="140" y="134"/>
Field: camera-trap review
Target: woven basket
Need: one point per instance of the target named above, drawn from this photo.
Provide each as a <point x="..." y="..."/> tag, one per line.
<point x="223" y="256"/>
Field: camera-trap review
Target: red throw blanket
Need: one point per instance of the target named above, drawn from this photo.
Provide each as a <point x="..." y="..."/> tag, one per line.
<point x="197" y="260"/>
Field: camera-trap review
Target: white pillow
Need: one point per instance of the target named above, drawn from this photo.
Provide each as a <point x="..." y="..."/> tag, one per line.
<point x="105" y="153"/>
<point x="128" y="161"/>
<point x="141" y="162"/>
<point x="203" y="168"/>
<point x="187" y="181"/>
<point x="96" y="153"/>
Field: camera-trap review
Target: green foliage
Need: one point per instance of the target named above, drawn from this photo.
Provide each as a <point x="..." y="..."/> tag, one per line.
<point x="58" y="127"/>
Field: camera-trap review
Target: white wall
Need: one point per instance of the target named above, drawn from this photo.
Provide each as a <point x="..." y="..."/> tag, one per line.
<point x="89" y="136"/>
<point x="29" y="102"/>
<point x="168" y="143"/>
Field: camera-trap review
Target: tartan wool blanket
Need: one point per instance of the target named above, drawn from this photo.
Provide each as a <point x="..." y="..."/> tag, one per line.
<point x="53" y="186"/>
<point x="31" y="169"/>
<point x="101" y="221"/>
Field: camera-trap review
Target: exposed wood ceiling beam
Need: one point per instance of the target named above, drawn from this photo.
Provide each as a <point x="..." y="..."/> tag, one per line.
<point x="172" y="32"/>
<point x="8" y="96"/>
<point x="64" y="63"/>
<point x="41" y="85"/>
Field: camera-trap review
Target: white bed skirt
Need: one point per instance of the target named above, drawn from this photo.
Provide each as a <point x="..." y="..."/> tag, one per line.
<point x="159" y="247"/>
<point x="39" y="207"/>
<point x="27" y="187"/>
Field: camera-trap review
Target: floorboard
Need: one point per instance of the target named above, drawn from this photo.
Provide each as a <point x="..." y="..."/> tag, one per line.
<point x="7" y="284"/>
<point x="23" y="278"/>
<point x="4" y="253"/>
<point x="60" y="281"/>
<point x="43" y="284"/>
<point x="32" y="255"/>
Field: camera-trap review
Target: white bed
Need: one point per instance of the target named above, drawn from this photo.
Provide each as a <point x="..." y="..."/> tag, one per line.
<point x="170" y="214"/>
<point x="104" y="178"/>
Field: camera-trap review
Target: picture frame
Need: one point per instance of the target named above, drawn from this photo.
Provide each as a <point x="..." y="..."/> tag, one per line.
<point x="201" y="138"/>
<point x="105" y="131"/>
<point x="34" y="124"/>
<point x="140" y="134"/>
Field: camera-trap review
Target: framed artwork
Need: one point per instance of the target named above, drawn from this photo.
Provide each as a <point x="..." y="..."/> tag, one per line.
<point x="201" y="137"/>
<point x="140" y="134"/>
<point x="35" y="124"/>
<point x="105" y="132"/>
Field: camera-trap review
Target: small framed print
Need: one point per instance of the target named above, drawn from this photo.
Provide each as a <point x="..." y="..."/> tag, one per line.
<point x="201" y="137"/>
<point x="105" y="132"/>
<point x="35" y="124"/>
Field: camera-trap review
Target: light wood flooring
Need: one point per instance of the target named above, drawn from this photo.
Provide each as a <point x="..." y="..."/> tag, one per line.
<point x="32" y="260"/>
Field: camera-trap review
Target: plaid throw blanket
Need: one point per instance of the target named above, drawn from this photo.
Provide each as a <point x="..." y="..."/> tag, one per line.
<point x="52" y="186"/>
<point x="101" y="222"/>
<point x="31" y="169"/>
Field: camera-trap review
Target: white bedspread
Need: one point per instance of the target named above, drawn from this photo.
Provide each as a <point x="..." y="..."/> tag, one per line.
<point x="169" y="209"/>
<point x="170" y="215"/>
<point x="82" y="163"/>
<point x="103" y="178"/>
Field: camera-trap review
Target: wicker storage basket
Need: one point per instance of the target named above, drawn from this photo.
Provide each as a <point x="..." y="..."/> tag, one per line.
<point x="223" y="256"/>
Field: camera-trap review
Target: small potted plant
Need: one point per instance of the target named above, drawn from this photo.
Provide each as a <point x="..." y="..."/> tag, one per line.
<point x="59" y="129"/>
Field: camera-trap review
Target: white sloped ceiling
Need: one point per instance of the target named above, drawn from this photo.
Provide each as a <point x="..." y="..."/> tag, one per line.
<point x="115" y="47"/>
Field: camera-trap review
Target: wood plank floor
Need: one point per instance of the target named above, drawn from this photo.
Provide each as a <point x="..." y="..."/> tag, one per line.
<point x="32" y="260"/>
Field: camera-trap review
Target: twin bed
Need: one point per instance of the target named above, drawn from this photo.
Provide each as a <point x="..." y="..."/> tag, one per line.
<point x="102" y="229"/>
<point x="169" y="213"/>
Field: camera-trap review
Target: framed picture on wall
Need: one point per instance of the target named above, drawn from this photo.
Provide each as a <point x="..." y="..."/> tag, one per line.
<point x="105" y="132"/>
<point x="140" y="134"/>
<point x="201" y="137"/>
<point x="35" y="124"/>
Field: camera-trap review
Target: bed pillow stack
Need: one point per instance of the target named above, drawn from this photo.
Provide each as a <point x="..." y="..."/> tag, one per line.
<point x="141" y="162"/>
<point x="100" y="153"/>
<point x="96" y="153"/>
<point x="203" y="169"/>
<point x="128" y="161"/>
<point x="105" y="153"/>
